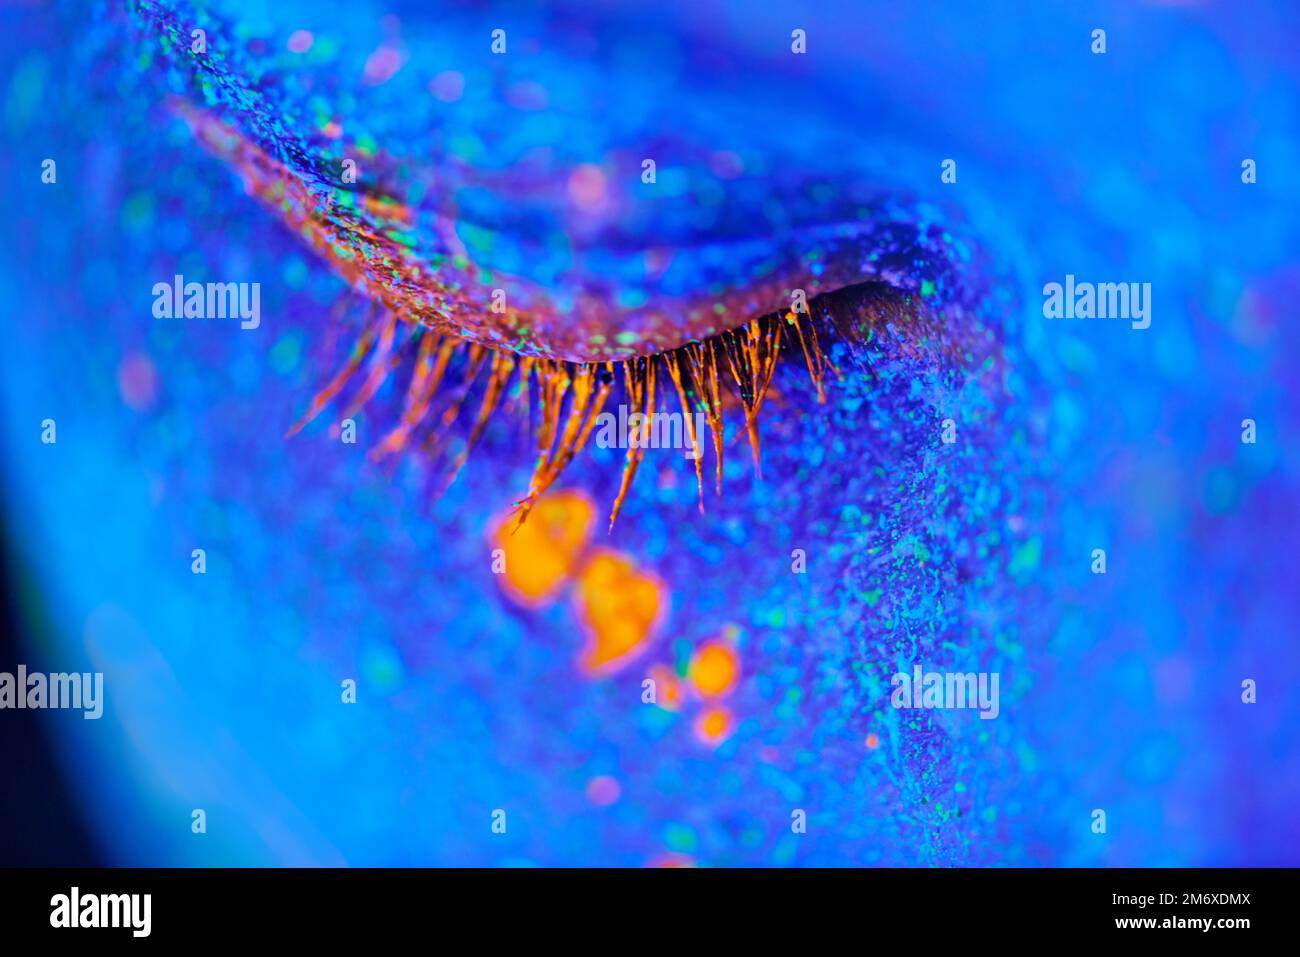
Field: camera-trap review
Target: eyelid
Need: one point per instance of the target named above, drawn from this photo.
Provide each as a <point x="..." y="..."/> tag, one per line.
<point x="392" y="254"/>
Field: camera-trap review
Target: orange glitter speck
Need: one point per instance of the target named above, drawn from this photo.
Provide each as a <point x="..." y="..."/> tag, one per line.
<point x="715" y="668"/>
<point x="620" y="607"/>
<point x="873" y="741"/>
<point x="672" y="860"/>
<point x="541" y="556"/>
<point x="714" y="725"/>
<point x="669" y="690"/>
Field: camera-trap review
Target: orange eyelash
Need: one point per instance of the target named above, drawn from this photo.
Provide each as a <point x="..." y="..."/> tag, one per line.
<point x="571" y="395"/>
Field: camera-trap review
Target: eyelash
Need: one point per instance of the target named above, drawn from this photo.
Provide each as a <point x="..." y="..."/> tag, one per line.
<point x="734" y="367"/>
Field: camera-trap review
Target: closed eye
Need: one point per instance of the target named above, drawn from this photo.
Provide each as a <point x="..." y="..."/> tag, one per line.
<point x="431" y="323"/>
<point x="699" y="327"/>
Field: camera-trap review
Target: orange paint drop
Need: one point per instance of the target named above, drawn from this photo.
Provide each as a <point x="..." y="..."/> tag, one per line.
<point x="715" y="669"/>
<point x="620" y="607"/>
<point x="388" y="208"/>
<point x="543" y="554"/>
<point x="714" y="725"/>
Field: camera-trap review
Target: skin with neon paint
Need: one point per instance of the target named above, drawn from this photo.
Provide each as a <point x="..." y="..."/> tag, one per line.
<point x="876" y="327"/>
<point x="475" y="682"/>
